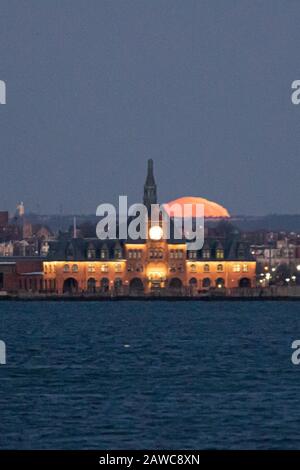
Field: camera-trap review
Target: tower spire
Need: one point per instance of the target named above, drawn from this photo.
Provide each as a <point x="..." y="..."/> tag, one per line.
<point x="150" y="192"/>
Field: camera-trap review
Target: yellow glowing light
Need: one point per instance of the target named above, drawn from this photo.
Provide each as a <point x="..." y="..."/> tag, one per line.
<point x="156" y="232"/>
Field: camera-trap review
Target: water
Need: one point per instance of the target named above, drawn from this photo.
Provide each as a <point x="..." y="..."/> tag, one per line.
<point x="125" y="375"/>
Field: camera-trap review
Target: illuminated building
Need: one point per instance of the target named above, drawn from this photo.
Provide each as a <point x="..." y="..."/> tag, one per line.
<point x="152" y="266"/>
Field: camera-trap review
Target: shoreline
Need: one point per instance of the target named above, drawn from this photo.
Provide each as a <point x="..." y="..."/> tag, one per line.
<point x="219" y="298"/>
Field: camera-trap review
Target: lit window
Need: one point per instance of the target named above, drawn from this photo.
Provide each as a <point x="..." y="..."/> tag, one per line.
<point x="220" y="267"/>
<point x="220" y="254"/>
<point x="236" y="268"/>
<point x="245" y="268"/>
<point x="118" y="268"/>
<point x="206" y="253"/>
<point x="104" y="268"/>
<point x="91" y="268"/>
<point x="193" y="268"/>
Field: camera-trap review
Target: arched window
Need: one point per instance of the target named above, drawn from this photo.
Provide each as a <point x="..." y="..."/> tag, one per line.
<point x="193" y="268"/>
<point x="91" y="285"/>
<point x="220" y="282"/>
<point x="118" y="283"/>
<point x="75" y="268"/>
<point x="206" y="282"/>
<point x="220" y="268"/>
<point x="193" y="282"/>
<point x="104" y="283"/>
<point x="66" y="268"/>
<point x="206" y="268"/>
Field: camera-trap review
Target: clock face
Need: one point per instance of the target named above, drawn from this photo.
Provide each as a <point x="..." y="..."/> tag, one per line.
<point x="156" y="232"/>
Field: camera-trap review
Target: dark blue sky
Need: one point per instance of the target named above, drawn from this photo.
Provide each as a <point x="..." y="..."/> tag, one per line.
<point x="94" y="88"/>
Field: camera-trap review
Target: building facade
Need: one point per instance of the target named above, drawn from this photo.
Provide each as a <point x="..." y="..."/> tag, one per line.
<point x="152" y="266"/>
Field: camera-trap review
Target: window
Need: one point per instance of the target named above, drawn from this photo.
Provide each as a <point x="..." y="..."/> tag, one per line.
<point x="236" y="268"/>
<point x="206" y="253"/>
<point x="206" y="268"/>
<point x="220" y="267"/>
<point x="245" y="268"/>
<point x="192" y="254"/>
<point x="91" y="268"/>
<point x="75" y="268"/>
<point x="219" y="253"/>
<point x="206" y="282"/>
<point x="91" y="253"/>
<point x="104" y="268"/>
<point x="139" y="268"/>
<point x="193" y="268"/>
<point x="66" y="268"/>
<point x="118" y="268"/>
<point x="220" y="283"/>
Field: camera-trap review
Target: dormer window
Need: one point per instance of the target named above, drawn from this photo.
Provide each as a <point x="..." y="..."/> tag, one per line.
<point x="104" y="253"/>
<point x="206" y="253"/>
<point x="219" y="253"/>
<point x="91" y="252"/>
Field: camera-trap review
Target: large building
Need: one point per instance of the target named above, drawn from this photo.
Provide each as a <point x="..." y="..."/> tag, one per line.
<point x="154" y="265"/>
